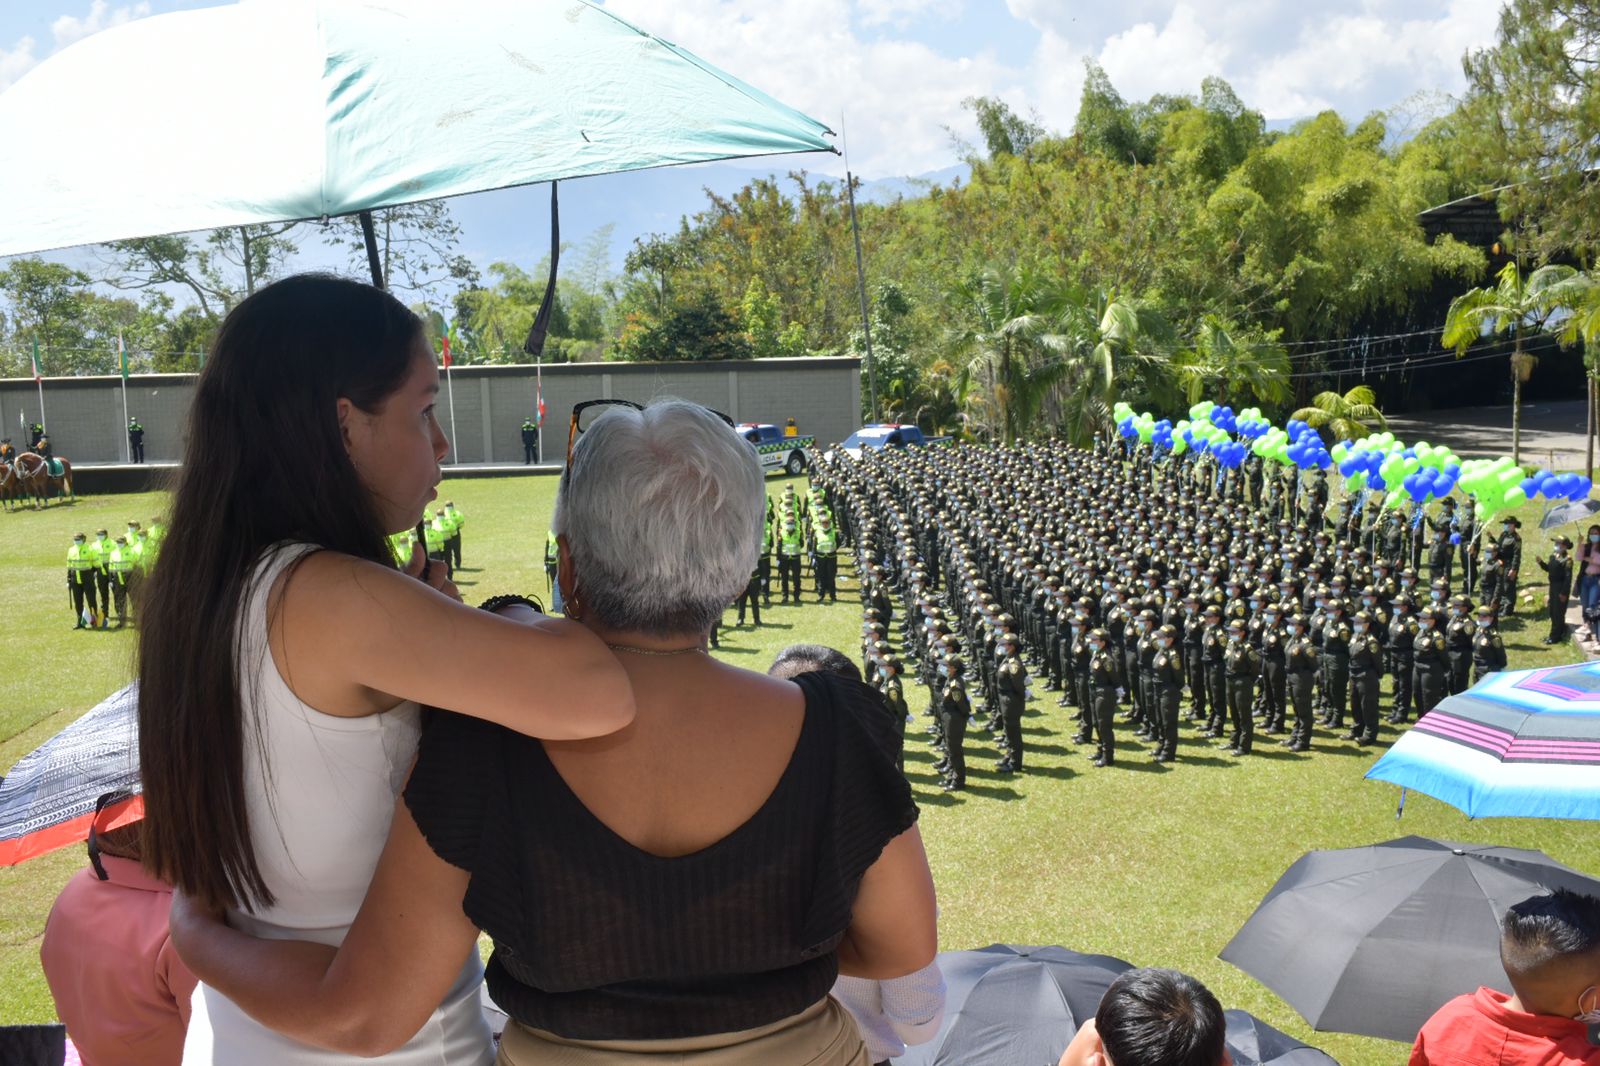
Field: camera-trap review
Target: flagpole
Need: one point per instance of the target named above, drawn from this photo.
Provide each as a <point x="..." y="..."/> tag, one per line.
<point x="122" y="365"/>
<point x="38" y="379"/>
<point x="450" y="390"/>
<point x="538" y="402"/>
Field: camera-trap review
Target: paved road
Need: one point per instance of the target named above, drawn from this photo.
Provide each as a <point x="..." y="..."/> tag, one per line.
<point x="1552" y="433"/>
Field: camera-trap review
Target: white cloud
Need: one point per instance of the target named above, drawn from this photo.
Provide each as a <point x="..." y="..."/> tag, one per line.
<point x="1143" y="60"/>
<point x="20" y="58"/>
<point x="69" y="29"/>
<point x="902" y="13"/>
<point x="16" y="61"/>
<point x="897" y="96"/>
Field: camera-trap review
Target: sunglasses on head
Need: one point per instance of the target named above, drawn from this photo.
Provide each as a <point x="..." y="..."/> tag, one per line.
<point x="584" y="414"/>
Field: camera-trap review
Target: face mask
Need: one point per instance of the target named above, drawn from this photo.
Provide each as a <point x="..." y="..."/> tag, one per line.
<point x="1590" y="1016"/>
<point x="1437" y="597"/>
<point x="1358" y="628"/>
<point x="1594" y="540"/>
<point x="1367" y="601"/>
<point x="1255" y="604"/>
<point x="1483" y="623"/>
<point x="1407" y="582"/>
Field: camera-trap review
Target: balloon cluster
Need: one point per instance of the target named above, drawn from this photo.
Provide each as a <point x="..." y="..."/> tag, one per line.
<point x="1557" y="486"/>
<point x="1412" y="474"/>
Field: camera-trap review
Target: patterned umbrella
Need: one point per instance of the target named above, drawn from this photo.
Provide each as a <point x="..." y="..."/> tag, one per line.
<point x="1519" y="744"/>
<point x="49" y="798"/>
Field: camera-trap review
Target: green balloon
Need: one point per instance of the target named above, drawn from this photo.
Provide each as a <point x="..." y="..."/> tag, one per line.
<point x="1514" y="496"/>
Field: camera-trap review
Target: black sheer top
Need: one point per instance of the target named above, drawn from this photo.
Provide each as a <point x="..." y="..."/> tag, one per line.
<point x="595" y="939"/>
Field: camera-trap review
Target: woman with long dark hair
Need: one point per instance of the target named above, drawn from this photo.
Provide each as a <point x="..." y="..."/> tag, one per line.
<point x="282" y="655"/>
<point x="684" y="890"/>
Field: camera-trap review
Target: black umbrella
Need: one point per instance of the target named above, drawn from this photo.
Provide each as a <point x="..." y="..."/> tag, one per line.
<point x="1252" y="1042"/>
<point x="1014" y="1006"/>
<point x="1574" y="511"/>
<point x="1374" y="940"/>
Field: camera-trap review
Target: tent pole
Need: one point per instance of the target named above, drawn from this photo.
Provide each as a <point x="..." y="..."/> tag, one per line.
<point x="370" y="237"/>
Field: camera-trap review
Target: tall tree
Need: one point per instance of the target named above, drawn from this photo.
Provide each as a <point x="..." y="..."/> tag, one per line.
<point x="1533" y="99"/>
<point x="47" y="303"/>
<point x="417" y="247"/>
<point x="1348" y="416"/>
<point x="1004" y="131"/>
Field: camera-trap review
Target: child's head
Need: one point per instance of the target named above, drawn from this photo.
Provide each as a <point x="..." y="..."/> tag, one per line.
<point x="799" y="659"/>
<point x="1550" y="948"/>
<point x="1155" y="1017"/>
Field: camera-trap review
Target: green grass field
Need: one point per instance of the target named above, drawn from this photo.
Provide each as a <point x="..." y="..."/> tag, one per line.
<point x="1158" y="865"/>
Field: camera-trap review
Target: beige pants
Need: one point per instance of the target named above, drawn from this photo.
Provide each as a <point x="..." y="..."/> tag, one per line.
<point x="821" y="1035"/>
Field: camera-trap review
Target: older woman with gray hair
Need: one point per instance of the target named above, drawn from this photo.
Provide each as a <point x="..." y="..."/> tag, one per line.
<point x="690" y="885"/>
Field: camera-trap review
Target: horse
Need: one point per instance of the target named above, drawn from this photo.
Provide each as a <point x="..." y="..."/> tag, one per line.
<point x="10" y="486"/>
<point x="33" y="472"/>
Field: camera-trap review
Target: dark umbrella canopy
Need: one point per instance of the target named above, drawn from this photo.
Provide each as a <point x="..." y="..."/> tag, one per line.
<point x="1374" y="940"/>
<point x="1252" y="1042"/>
<point x="1014" y="1006"/>
<point x="49" y="798"/>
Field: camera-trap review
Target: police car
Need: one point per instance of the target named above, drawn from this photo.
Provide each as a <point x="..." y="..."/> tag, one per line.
<point x="777" y="451"/>
<point x="882" y="435"/>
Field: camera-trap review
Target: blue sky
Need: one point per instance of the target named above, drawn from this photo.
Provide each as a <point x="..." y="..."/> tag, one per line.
<point x="894" y="73"/>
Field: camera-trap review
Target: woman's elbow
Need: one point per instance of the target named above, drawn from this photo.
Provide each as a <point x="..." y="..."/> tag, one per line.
<point x="370" y="1035"/>
<point x="598" y="691"/>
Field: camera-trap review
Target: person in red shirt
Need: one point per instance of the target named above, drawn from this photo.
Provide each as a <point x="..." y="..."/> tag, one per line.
<point x="118" y="983"/>
<point x="1550" y="948"/>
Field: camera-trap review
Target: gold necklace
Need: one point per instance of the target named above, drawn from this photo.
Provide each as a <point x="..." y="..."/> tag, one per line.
<point x="653" y="651"/>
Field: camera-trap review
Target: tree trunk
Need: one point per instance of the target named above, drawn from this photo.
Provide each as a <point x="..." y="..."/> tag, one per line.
<point x="249" y="274"/>
<point x="1588" y="437"/>
<point x="1516" y="403"/>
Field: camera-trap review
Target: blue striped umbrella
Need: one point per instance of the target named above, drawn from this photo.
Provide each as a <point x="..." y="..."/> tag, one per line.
<point x="1519" y="744"/>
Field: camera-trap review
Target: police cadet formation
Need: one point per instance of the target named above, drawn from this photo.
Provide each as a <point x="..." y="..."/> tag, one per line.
<point x="104" y="574"/>
<point x="1132" y="586"/>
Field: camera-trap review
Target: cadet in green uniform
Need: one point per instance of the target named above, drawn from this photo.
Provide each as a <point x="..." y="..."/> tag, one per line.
<point x="1402" y="634"/>
<point x="1300" y="664"/>
<point x="1558" y="568"/>
<point x="1011" y="678"/>
<point x="1335" y="663"/>
<point x="1366" y="669"/>
<point x="1488" y="650"/>
<point x="1243" y="667"/>
<point x="954" y="712"/>
<point x="764" y="561"/>
<point x="1508" y="549"/>
<point x="1194" y="660"/>
<point x="1431" y="662"/>
<point x="81" y="566"/>
<point x="1082" y="652"/>
<point x="1213" y="644"/>
<point x="1274" y="682"/>
<point x="1102" y="673"/>
<point x="1458" y="644"/>
<point x="751" y="597"/>
<point x="1167" y="673"/>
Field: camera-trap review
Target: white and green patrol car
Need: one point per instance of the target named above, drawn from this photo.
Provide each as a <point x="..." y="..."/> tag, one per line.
<point x="778" y="452"/>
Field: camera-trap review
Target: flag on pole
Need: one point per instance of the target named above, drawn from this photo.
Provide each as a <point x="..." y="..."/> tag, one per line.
<point x="38" y="375"/>
<point x="122" y="357"/>
<point x="538" y="389"/>
<point x="445" y="340"/>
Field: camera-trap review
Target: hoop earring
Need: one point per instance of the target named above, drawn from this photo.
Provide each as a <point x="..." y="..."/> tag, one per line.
<point x="571" y="607"/>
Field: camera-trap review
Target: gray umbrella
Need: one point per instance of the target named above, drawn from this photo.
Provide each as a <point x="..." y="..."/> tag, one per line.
<point x="1574" y="511"/>
<point x="1374" y="940"/>
<point x="1014" y="1006"/>
<point x="1252" y="1042"/>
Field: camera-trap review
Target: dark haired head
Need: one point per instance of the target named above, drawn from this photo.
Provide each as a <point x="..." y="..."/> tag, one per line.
<point x="265" y="461"/>
<point x="1154" y="1017"/>
<point x="1546" y="932"/>
<point x="799" y="659"/>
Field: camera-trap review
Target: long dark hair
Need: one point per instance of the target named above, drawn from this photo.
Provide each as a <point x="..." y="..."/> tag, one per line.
<point x="264" y="462"/>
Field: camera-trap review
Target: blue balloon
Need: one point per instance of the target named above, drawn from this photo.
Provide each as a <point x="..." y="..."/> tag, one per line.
<point x="1530" y="486"/>
<point x="1376" y="483"/>
<point x="1453" y="470"/>
<point x="1583" y="488"/>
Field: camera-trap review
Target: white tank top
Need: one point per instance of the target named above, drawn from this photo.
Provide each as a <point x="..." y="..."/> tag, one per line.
<point x="320" y="793"/>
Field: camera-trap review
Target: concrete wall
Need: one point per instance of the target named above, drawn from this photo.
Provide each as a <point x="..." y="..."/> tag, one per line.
<point x="822" y="395"/>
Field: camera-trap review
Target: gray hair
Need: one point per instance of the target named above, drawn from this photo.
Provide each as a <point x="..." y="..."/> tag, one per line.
<point x="662" y="512"/>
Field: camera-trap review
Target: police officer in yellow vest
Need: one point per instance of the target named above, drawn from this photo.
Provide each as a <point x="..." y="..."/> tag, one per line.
<point x="790" y="547"/>
<point x="552" y="558"/>
<point x="124" y="568"/>
<point x="454" y="520"/>
<point x="825" y="565"/>
<point x="436" y="529"/>
<point x="156" y="532"/>
<point x="101" y="547"/>
<point x="81" y="567"/>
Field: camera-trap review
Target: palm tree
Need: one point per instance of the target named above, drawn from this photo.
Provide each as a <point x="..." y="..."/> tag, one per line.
<point x="1514" y="304"/>
<point x="1349" y="417"/>
<point x="1106" y="346"/>
<point x="1003" y="320"/>
<point x="1220" y="364"/>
